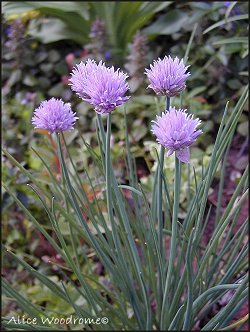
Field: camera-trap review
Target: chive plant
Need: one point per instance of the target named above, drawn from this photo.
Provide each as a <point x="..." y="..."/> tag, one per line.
<point x="150" y="287"/>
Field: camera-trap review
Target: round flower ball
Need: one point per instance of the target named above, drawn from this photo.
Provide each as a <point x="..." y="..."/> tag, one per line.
<point x="167" y="76"/>
<point x="176" y="131"/>
<point x="101" y="86"/>
<point x="54" y="115"/>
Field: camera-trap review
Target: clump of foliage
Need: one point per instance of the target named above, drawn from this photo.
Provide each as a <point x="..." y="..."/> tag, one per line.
<point x="47" y="244"/>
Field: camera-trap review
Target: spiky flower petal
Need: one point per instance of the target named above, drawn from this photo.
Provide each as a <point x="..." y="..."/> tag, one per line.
<point x="176" y="131"/>
<point x="102" y="87"/>
<point x="54" y="115"/>
<point x="167" y="76"/>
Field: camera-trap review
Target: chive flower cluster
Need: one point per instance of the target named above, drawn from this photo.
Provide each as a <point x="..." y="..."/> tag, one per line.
<point x="174" y="129"/>
<point x="54" y="115"/>
<point x="167" y="76"/>
<point x="105" y="88"/>
<point x="102" y="87"/>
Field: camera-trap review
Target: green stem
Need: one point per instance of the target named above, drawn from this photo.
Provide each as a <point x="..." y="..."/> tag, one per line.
<point x="165" y="306"/>
<point x="107" y="167"/>
<point x="159" y="206"/>
<point x="159" y="201"/>
<point x="66" y="202"/>
<point x="109" y="187"/>
<point x="189" y="259"/>
<point x="110" y="180"/>
<point x="135" y="301"/>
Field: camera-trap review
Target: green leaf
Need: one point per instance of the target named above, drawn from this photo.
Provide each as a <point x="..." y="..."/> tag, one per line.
<point x="130" y="188"/>
<point x="232" y="40"/>
<point x="53" y="31"/>
<point x="57" y="90"/>
<point x="196" y="91"/>
<point x="222" y="22"/>
<point x="167" y="24"/>
<point x="15" y="77"/>
<point x="18" y="7"/>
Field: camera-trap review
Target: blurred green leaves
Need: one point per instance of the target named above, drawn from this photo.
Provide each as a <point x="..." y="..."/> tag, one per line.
<point x="71" y="21"/>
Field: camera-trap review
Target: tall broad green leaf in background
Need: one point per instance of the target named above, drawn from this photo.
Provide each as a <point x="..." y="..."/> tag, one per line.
<point x="72" y="20"/>
<point x="123" y="19"/>
<point x="69" y="20"/>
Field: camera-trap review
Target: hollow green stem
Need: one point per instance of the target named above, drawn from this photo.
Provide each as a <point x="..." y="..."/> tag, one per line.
<point x="159" y="201"/>
<point x="165" y="307"/>
<point x="107" y="168"/>
<point x="111" y="183"/>
<point x="159" y="204"/>
<point x="109" y="187"/>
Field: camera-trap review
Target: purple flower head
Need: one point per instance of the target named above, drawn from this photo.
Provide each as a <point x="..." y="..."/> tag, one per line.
<point x="99" y="85"/>
<point x="167" y="76"/>
<point x="107" y="54"/>
<point x="176" y="130"/>
<point x="8" y="30"/>
<point x="54" y="116"/>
